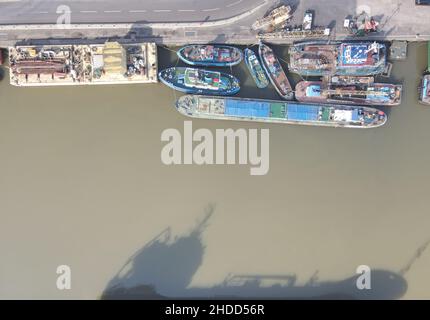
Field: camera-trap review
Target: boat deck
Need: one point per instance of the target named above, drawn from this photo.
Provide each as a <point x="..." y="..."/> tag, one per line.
<point x="108" y="63"/>
<point x="356" y="93"/>
<point x="202" y="79"/>
<point x="353" y="59"/>
<point x="280" y="112"/>
<point x="314" y="57"/>
<point x="207" y="55"/>
<point x="275" y="72"/>
<point x="276" y="110"/>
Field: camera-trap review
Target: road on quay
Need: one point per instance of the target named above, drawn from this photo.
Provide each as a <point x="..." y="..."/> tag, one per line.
<point x="125" y="11"/>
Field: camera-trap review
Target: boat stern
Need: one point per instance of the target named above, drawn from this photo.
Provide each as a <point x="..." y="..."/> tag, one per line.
<point x="374" y="118"/>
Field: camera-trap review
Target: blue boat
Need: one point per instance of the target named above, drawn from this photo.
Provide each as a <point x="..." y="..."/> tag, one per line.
<point x="210" y="55"/>
<point x="199" y="81"/>
<point x="255" y="68"/>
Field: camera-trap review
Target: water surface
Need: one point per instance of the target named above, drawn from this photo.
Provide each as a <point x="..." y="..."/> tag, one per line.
<point x="82" y="184"/>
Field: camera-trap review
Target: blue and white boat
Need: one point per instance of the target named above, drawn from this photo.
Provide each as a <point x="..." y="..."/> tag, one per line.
<point x="199" y="81"/>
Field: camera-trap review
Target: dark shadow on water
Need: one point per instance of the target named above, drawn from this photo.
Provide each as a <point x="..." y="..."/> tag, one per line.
<point x="164" y="268"/>
<point x="166" y="264"/>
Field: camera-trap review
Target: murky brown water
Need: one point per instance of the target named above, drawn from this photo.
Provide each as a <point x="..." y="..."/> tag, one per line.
<point x="82" y="184"/>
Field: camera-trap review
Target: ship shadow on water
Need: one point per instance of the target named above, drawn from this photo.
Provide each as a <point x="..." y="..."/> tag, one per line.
<point x="164" y="268"/>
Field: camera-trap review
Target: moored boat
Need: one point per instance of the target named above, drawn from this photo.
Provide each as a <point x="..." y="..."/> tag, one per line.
<point x="374" y="94"/>
<point x="275" y="72"/>
<point x="199" y="81"/>
<point x="256" y="69"/>
<point x="425" y="89"/>
<point x="346" y="59"/>
<point x="286" y="112"/>
<point x="424" y="96"/>
<point x="210" y="55"/>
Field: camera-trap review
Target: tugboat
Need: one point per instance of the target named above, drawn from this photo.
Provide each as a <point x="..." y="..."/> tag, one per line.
<point x="374" y="94"/>
<point x="210" y="55"/>
<point x="344" y="59"/>
<point x="286" y="112"/>
<point x="199" y="81"/>
<point x="275" y="72"/>
<point x="255" y="68"/>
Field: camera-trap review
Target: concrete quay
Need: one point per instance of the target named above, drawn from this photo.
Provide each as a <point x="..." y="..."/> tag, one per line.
<point x="399" y="20"/>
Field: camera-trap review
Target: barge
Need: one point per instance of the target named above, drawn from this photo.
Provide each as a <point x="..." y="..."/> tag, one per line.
<point x="374" y="94"/>
<point x="285" y="112"/>
<point x="339" y="58"/>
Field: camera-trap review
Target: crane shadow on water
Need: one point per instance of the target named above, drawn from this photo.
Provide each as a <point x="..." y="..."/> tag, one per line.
<point x="165" y="266"/>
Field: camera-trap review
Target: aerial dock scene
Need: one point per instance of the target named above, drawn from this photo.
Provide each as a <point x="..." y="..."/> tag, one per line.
<point x="346" y="69"/>
<point x="84" y="113"/>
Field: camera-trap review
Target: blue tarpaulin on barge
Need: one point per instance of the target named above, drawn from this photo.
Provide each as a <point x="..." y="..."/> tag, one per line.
<point x="247" y="108"/>
<point x="302" y="112"/>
